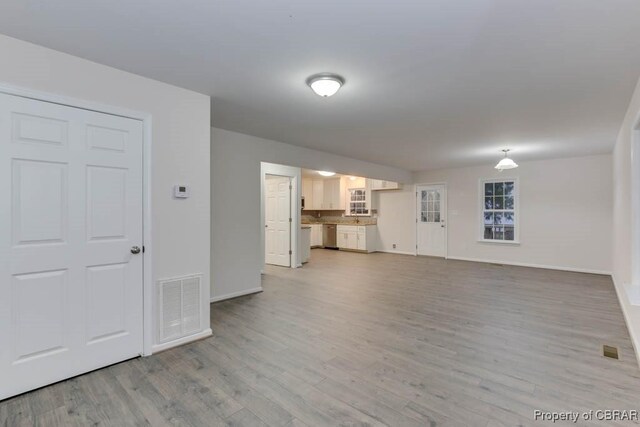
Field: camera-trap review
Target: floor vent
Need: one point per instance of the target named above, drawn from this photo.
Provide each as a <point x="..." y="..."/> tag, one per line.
<point x="179" y="301"/>
<point x="609" y="351"/>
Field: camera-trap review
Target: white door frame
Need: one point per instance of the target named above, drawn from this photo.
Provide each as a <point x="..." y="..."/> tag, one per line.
<point x="634" y="290"/>
<point x="146" y="119"/>
<point x="446" y="203"/>
<point x="296" y="193"/>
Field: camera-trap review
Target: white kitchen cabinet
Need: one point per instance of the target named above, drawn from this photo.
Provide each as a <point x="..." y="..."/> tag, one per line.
<point x="334" y="194"/>
<point x="317" y="191"/>
<point x="316" y="235"/>
<point x="357" y="237"/>
<point x="307" y="193"/>
<point x="362" y="239"/>
<point x="324" y="194"/>
<point x="305" y="243"/>
<point x="379" y="184"/>
<point x="341" y="238"/>
<point x="356" y="182"/>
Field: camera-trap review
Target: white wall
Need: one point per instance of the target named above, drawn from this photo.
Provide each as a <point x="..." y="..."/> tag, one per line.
<point x="565" y="213"/>
<point x="236" y="254"/>
<point x="180" y="144"/>
<point x="628" y="292"/>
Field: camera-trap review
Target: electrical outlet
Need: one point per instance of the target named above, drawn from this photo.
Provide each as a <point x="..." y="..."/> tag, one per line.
<point x="394" y="246"/>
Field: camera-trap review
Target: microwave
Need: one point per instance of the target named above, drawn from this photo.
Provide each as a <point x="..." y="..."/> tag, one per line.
<point x="302" y="202"/>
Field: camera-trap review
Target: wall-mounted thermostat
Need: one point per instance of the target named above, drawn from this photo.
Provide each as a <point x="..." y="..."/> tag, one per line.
<point x="181" y="191"/>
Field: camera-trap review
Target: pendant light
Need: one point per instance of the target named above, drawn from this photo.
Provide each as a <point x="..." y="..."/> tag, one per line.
<point x="506" y="162"/>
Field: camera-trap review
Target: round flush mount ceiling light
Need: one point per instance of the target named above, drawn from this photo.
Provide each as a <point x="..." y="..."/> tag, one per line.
<point x="325" y="84"/>
<point x="506" y="162"/>
<point x="325" y="173"/>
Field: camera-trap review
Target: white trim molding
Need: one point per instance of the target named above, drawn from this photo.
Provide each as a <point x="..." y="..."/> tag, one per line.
<point x="295" y="174"/>
<point x="397" y="252"/>
<point x="629" y="298"/>
<point x="184" y="340"/>
<point x="525" y="264"/>
<point x="446" y="216"/>
<point x="635" y="202"/>
<point x="235" y="294"/>
<point x="516" y="210"/>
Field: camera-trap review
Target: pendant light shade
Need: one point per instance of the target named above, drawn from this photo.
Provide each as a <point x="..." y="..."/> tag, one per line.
<point x="506" y="162"/>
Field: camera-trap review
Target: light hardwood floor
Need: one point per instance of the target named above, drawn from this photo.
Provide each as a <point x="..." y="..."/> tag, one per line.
<point x="372" y="339"/>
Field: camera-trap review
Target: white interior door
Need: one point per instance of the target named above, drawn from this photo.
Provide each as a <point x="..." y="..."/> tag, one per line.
<point x="70" y="213"/>
<point x="431" y="220"/>
<point x="278" y="220"/>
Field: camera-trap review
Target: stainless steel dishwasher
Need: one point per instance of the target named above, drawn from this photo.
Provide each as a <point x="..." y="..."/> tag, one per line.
<point x="329" y="232"/>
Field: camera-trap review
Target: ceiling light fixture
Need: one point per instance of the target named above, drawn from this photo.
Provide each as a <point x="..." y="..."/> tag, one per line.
<point x="506" y="162"/>
<point x="325" y="84"/>
<point x="353" y="178"/>
<point x="325" y="173"/>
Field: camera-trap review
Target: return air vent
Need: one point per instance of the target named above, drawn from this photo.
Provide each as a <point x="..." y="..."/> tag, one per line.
<point x="179" y="302"/>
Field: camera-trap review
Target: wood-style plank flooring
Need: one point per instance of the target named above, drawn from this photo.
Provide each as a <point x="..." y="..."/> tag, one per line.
<point x="372" y="339"/>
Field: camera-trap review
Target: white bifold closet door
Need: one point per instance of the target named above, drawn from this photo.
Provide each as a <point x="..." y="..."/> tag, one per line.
<point x="70" y="221"/>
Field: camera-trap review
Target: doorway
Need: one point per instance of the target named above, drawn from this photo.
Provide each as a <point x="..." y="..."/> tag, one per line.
<point x="431" y="215"/>
<point x="71" y="289"/>
<point x="278" y="220"/>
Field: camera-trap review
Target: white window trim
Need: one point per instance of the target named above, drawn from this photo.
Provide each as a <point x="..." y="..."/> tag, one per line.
<point x="635" y="213"/>
<point x="516" y="201"/>
<point x="367" y="202"/>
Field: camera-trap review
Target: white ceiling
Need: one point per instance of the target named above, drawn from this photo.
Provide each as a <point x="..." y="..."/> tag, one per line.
<point x="430" y="84"/>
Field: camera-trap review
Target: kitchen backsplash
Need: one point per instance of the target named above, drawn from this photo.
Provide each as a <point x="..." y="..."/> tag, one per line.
<point x="336" y="217"/>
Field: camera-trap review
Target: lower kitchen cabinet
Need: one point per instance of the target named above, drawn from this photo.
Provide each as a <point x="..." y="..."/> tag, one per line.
<point x="357" y="237"/>
<point x="316" y="235"/>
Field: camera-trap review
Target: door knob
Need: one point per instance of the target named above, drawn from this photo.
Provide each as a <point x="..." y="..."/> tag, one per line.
<point x="135" y="250"/>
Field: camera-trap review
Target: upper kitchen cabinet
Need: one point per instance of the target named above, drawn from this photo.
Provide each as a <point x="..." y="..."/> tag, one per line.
<point x="318" y="195"/>
<point x="307" y="193"/>
<point x="334" y="191"/>
<point x="379" y="184"/>
<point x="312" y="191"/>
<point x="324" y="194"/>
<point x="356" y="182"/>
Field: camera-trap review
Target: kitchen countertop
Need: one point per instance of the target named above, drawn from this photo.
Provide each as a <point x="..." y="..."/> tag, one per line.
<point x="305" y="227"/>
<point x="337" y="223"/>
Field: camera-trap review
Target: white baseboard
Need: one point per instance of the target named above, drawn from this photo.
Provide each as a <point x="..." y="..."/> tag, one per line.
<point x="397" y="252"/>
<point x="181" y="341"/>
<point x="236" y="294"/>
<point x="628" y="300"/>
<point x="524" y="264"/>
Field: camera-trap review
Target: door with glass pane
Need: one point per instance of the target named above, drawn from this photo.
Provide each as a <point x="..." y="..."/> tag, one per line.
<point x="431" y="220"/>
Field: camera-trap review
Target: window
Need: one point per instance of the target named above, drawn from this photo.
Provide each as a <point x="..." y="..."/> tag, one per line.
<point x="499" y="207"/>
<point x="358" y="202"/>
<point x="429" y="206"/>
